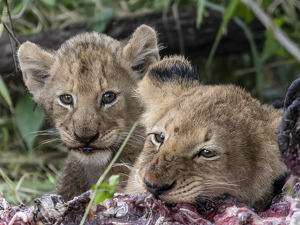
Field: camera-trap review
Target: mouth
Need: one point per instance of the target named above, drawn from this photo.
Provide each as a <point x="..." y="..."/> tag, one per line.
<point x="88" y="149"/>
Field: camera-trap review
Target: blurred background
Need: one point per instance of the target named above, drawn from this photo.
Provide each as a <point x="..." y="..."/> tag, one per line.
<point x="253" y="44"/>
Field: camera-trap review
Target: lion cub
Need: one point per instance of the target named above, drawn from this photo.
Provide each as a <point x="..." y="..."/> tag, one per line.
<point x="86" y="89"/>
<point x="203" y="140"/>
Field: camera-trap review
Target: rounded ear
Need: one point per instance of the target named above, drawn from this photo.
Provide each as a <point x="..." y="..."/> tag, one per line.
<point x="292" y="94"/>
<point x="164" y="82"/>
<point x="142" y="50"/>
<point x="35" y="64"/>
<point x="169" y="77"/>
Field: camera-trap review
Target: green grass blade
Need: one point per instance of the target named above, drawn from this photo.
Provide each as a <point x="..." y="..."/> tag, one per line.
<point x="227" y="16"/>
<point x="10" y="185"/>
<point x="6" y="179"/>
<point x="102" y="177"/>
<point x="255" y="55"/>
<point x="215" y="7"/>
<point x="200" y="11"/>
<point x="21" y="181"/>
<point x="5" y="94"/>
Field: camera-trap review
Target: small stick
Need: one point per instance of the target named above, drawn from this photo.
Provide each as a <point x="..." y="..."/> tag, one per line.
<point x="11" y="35"/>
<point x="9" y="16"/>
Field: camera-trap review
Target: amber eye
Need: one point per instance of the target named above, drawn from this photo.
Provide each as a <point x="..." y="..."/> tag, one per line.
<point x="108" y="97"/>
<point x="66" y="99"/>
<point x="206" y="153"/>
<point x="159" y="138"/>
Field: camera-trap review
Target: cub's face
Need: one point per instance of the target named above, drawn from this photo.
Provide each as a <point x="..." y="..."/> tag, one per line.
<point x="86" y="88"/>
<point x="91" y="102"/>
<point x="181" y="165"/>
<point x="203" y="141"/>
<point x="188" y="156"/>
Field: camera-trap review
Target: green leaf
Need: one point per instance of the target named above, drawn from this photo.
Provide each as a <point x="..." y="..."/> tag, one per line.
<point x="111" y="190"/>
<point x="103" y="185"/>
<point x="5" y="94"/>
<point x="28" y="121"/>
<point x="244" y="12"/>
<point x="100" y="196"/>
<point x="227" y="16"/>
<point x="106" y="190"/>
<point x="110" y="195"/>
<point x="114" y="180"/>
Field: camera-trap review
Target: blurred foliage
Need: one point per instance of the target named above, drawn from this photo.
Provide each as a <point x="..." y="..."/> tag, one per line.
<point x="29" y="120"/>
<point x="30" y="163"/>
<point x="25" y="171"/>
<point x="266" y="74"/>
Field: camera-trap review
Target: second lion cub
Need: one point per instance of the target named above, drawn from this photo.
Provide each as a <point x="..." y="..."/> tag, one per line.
<point x="204" y="141"/>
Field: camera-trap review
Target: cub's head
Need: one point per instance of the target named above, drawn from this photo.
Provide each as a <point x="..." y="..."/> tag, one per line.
<point x="86" y="87"/>
<point x="203" y="141"/>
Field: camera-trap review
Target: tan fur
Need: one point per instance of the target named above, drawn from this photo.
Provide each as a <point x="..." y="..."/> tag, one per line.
<point x="222" y="118"/>
<point x="86" y="67"/>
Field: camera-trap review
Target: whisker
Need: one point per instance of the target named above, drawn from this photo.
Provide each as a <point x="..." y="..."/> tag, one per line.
<point x="50" y="141"/>
<point x="49" y="132"/>
<point x="134" y="134"/>
<point x="214" y="182"/>
<point x="127" y="165"/>
<point x="54" y="147"/>
<point x="219" y="184"/>
<point x="133" y="138"/>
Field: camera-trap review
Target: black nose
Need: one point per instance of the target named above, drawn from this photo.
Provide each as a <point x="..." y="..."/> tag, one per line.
<point x="158" y="189"/>
<point x="86" y="140"/>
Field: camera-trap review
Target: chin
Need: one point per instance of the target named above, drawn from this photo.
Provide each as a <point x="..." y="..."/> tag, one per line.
<point x="96" y="158"/>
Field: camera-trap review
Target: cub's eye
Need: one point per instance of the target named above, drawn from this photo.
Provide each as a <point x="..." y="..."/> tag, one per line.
<point x="206" y="153"/>
<point x="66" y="99"/>
<point x="108" y="97"/>
<point x="159" y="138"/>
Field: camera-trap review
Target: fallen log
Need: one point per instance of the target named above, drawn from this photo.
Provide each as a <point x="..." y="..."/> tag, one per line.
<point x="178" y="35"/>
